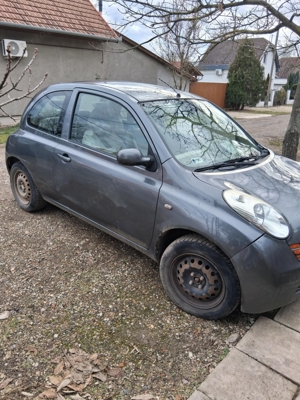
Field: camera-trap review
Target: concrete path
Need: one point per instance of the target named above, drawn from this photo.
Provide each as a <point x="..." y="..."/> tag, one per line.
<point x="264" y="365"/>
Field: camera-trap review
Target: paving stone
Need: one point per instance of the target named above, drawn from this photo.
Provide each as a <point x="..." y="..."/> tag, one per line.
<point x="198" y="396"/>
<point x="240" y="377"/>
<point x="275" y="346"/>
<point x="290" y="315"/>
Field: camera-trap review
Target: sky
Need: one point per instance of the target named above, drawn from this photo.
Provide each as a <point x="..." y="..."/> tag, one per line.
<point x="140" y="34"/>
<point x="111" y="14"/>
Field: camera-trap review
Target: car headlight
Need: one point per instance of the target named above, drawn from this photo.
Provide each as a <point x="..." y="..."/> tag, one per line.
<point x="258" y="212"/>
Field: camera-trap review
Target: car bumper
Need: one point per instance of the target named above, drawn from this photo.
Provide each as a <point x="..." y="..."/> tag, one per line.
<point x="269" y="275"/>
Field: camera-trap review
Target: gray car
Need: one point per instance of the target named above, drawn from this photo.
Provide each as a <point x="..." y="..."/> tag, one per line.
<point x="174" y="177"/>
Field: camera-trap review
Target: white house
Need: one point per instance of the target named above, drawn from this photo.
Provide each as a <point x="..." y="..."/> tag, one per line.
<point x="216" y="61"/>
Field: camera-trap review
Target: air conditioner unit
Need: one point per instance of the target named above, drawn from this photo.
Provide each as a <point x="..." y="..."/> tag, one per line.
<point x="16" y="47"/>
<point x="219" y="72"/>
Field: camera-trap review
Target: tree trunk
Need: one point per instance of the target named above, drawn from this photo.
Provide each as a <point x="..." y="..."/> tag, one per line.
<point x="291" y="138"/>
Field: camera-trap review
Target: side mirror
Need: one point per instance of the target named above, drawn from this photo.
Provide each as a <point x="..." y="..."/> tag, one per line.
<point x="134" y="157"/>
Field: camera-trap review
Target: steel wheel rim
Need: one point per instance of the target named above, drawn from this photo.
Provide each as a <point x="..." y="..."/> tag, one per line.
<point x="22" y="187"/>
<point x="197" y="281"/>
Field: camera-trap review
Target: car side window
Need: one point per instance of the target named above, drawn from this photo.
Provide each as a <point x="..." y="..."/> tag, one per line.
<point x="105" y="125"/>
<point x="48" y="113"/>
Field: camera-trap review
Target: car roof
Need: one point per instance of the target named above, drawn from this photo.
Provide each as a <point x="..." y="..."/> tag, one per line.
<point x="139" y="91"/>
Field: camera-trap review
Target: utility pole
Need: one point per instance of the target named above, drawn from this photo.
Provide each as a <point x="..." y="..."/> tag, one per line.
<point x="272" y="70"/>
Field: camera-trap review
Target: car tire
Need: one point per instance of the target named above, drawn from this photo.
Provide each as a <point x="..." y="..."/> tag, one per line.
<point x="199" y="278"/>
<point x="24" y="190"/>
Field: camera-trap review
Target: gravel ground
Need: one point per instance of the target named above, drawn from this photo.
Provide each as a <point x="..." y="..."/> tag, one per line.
<point x="269" y="131"/>
<point x="67" y="285"/>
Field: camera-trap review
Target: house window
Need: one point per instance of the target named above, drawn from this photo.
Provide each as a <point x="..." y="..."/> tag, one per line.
<point x="265" y="58"/>
<point x="48" y="113"/>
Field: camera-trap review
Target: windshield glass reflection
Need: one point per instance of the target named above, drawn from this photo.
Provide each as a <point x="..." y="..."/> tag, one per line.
<point x="197" y="133"/>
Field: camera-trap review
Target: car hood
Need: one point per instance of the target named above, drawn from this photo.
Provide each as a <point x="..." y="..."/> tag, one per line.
<point x="276" y="181"/>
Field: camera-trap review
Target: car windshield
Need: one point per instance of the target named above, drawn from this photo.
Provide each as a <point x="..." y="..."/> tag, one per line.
<point x="198" y="134"/>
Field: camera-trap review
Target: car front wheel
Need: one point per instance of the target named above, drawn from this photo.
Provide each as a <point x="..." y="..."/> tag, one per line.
<point x="24" y="190"/>
<point x="199" y="278"/>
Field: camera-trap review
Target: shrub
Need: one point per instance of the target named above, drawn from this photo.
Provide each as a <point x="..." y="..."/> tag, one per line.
<point x="280" y="97"/>
<point x="246" y="78"/>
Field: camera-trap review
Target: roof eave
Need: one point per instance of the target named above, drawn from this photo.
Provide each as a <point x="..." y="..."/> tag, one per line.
<point x="60" y="32"/>
<point x="158" y="58"/>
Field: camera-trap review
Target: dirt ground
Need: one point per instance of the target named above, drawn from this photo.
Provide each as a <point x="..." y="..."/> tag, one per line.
<point x="268" y="131"/>
<point x="66" y="285"/>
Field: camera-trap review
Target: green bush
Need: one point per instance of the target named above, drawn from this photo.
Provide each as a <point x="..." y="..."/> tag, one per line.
<point x="280" y="97"/>
<point x="246" y="78"/>
<point x="292" y="82"/>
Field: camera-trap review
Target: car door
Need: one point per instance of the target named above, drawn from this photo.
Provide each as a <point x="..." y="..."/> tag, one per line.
<point x="40" y="135"/>
<point x="89" y="180"/>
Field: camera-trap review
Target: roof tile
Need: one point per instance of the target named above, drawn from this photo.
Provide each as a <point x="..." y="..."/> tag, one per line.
<point x="78" y="16"/>
<point x="224" y="53"/>
<point x="288" y="65"/>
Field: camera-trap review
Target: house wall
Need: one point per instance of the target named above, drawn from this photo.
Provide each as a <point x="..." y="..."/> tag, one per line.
<point x="68" y="59"/>
<point x="212" y="77"/>
<point x="266" y="61"/>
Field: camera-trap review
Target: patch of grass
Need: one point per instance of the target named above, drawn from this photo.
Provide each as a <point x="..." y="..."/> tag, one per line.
<point x="275" y="142"/>
<point x="6" y="131"/>
<point x="224" y="353"/>
<point x="267" y="111"/>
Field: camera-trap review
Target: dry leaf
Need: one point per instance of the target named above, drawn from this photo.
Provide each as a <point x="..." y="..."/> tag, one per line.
<point x="93" y="356"/>
<point x="100" y="365"/>
<point x="66" y="373"/>
<point x="59" y="368"/>
<point x="115" y="372"/>
<point x="48" y="394"/>
<point x="67" y="364"/>
<point x="84" y="366"/>
<point x="4" y="383"/>
<point x="4" y="315"/>
<point x="143" y="397"/>
<point x="59" y="397"/>
<point x="55" y="360"/>
<point x="7" y="355"/>
<point x="121" y="365"/>
<point x="76" y="388"/>
<point x="79" y="377"/>
<point x="26" y="394"/>
<point x="88" y="381"/>
<point x="32" y="350"/>
<point x="64" y="383"/>
<point x="100" y="376"/>
<point x="55" y="380"/>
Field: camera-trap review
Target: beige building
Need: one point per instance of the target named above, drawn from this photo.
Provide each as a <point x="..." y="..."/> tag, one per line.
<point x="74" y="44"/>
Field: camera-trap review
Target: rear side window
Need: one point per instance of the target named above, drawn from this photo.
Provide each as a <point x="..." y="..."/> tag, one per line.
<point x="49" y="112"/>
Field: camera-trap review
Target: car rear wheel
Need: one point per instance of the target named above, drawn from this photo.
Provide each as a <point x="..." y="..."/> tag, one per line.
<point x="199" y="278"/>
<point x="24" y="190"/>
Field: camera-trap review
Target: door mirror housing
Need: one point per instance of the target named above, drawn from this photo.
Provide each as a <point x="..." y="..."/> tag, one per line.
<point x="132" y="157"/>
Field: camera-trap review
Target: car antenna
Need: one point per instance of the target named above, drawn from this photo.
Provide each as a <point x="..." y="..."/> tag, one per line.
<point x="177" y="93"/>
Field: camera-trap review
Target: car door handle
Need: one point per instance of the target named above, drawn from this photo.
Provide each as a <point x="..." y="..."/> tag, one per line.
<point x="64" y="157"/>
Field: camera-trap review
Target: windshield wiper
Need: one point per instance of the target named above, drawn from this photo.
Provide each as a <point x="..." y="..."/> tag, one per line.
<point x="230" y="164"/>
<point x="239" y="162"/>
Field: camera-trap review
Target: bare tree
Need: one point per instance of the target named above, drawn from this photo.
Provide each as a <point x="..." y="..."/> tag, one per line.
<point x="175" y="48"/>
<point x="10" y="86"/>
<point x="226" y="19"/>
